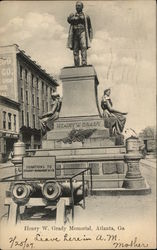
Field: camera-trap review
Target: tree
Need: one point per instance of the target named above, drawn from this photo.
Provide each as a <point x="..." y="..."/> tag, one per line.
<point x="148" y="132"/>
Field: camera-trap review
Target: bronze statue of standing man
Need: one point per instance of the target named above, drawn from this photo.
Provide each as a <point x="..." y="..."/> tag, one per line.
<point x="80" y="34"/>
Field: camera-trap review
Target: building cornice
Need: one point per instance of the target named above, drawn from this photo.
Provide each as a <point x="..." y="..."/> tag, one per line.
<point x="27" y="59"/>
<point x="6" y="100"/>
<point x="41" y="72"/>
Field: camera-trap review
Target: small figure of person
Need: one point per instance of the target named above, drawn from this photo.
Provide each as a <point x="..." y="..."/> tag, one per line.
<point x="115" y="119"/>
<point x="11" y="154"/>
<point x="47" y="119"/>
<point x="80" y="34"/>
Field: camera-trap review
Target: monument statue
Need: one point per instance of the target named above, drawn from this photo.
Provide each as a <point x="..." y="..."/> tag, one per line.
<point x="81" y="137"/>
<point x="114" y="119"/>
<point x="80" y="34"/>
<point x="47" y="119"/>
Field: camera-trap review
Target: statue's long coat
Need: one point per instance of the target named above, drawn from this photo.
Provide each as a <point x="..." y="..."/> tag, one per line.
<point x="88" y="31"/>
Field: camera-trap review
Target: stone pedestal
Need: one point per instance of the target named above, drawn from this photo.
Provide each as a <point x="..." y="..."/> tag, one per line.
<point x="19" y="153"/>
<point x="134" y="178"/>
<point x="79" y="92"/>
<point x="80" y="111"/>
<point x="79" y="139"/>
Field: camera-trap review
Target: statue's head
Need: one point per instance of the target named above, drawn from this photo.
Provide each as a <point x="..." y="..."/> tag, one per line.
<point x="79" y="6"/>
<point x="107" y="92"/>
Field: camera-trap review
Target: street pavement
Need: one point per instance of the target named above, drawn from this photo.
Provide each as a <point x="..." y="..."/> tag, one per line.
<point x="150" y="162"/>
<point x="135" y="213"/>
<point x="126" y="206"/>
<point x="125" y="210"/>
<point x="148" y="169"/>
<point x="6" y="169"/>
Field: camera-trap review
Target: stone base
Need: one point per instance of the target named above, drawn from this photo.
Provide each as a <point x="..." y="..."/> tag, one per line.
<point x="79" y="139"/>
<point x="58" y="137"/>
<point x="121" y="191"/>
<point x="134" y="183"/>
<point x="107" y="164"/>
<point x="91" y="142"/>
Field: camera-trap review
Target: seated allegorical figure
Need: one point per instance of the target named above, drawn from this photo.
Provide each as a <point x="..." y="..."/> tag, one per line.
<point x="113" y="119"/>
<point x="47" y="119"/>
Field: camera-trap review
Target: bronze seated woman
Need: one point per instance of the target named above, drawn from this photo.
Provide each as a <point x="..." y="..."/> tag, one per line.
<point x="47" y="119"/>
<point x="113" y="119"/>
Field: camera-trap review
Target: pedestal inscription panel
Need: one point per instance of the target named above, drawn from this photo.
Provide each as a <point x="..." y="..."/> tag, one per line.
<point x="79" y="92"/>
<point x="82" y="124"/>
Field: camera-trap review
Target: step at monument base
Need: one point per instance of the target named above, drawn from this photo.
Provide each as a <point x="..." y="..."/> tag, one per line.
<point x="121" y="191"/>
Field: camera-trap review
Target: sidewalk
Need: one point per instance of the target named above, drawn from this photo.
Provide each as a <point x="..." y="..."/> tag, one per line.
<point x="6" y="164"/>
<point x="149" y="162"/>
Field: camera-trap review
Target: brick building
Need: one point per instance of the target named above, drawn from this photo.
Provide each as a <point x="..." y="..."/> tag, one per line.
<point x="25" y="90"/>
<point x="9" y="126"/>
<point x="148" y="136"/>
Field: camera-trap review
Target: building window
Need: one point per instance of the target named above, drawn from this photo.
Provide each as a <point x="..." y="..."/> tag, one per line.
<point x="37" y="102"/>
<point x="32" y="99"/>
<point x="37" y="83"/>
<point x="22" y="118"/>
<point x="43" y="87"/>
<point x="20" y="71"/>
<point x="33" y="121"/>
<point x="14" y="122"/>
<point x="9" y="120"/>
<point x="26" y="97"/>
<point x="46" y="89"/>
<point x="43" y="105"/>
<point x="4" y="120"/>
<point x="47" y="107"/>
<point x="26" y="75"/>
<point x="27" y="119"/>
<point x="51" y="91"/>
<point x="32" y="80"/>
<point x="21" y="94"/>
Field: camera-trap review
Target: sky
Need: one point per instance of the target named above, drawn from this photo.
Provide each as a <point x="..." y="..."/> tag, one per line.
<point x="123" y="50"/>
